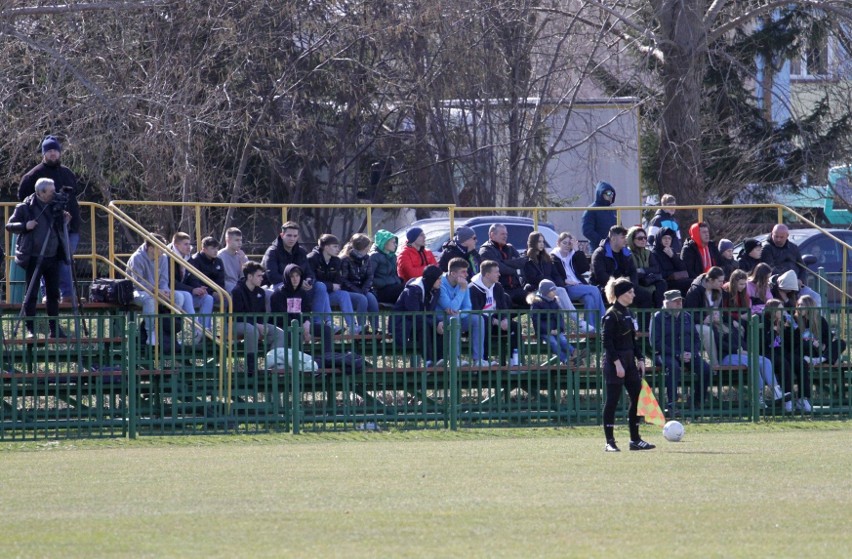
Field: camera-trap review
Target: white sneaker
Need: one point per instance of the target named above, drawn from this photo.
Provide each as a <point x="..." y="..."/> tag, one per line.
<point x="778" y="392"/>
<point x="440" y="363"/>
<point x="788" y="406"/>
<point x="587" y="328"/>
<point x="482" y="363"/>
<point x="463" y="363"/>
<point x="804" y="405"/>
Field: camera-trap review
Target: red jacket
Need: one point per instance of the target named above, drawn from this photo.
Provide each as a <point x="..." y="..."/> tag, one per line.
<point x="411" y="262"/>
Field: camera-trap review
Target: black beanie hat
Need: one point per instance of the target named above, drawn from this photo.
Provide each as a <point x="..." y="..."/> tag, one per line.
<point x="621" y="287"/>
<point x="430" y="274"/>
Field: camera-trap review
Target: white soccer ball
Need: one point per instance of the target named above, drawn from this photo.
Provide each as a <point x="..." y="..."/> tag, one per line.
<point x="673" y="431"/>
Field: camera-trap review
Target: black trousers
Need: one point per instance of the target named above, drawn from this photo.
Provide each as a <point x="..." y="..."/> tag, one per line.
<point x="633" y="384"/>
<point x="49" y="270"/>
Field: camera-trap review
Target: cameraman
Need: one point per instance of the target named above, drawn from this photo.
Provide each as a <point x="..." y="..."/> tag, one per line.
<point x="38" y="223"/>
<point x="65" y="182"/>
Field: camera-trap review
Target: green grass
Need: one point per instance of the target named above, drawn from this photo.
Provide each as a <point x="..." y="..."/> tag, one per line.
<point x="727" y="491"/>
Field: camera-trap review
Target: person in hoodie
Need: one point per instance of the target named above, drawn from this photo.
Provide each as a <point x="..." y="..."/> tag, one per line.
<point x="148" y="266"/>
<point x="291" y="301"/>
<point x="285" y="250"/>
<point x="574" y="264"/>
<point x="487" y="295"/>
<point x="671" y="266"/>
<point x="454" y="304"/>
<point x="699" y="252"/>
<point x="190" y="293"/>
<point x="414" y="323"/>
<point x="387" y="285"/>
<point x="462" y="245"/>
<point x="597" y="223"/>
<point x="612" y="260"/>
<point x="356" y="275"/>
<point x="749" y="256"/>
<point x="249" y="315"/>
<point x="415" y="256"/>
<point x="664" y="219"/>
<point x="548" y="321"/>
<point x="705" y="299"/>
<point x="648" y="270"/>
<point x="328" y="269"/>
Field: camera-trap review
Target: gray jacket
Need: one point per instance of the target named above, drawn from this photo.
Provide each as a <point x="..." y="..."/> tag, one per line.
<point x="141" y="268"/>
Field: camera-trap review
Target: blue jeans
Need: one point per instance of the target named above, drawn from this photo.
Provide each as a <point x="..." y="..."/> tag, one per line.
<point x="473" y="324"/>
<point x="763" y="364"/>
<point x="343" y="300"/>
<point x="559" y="345"/>
<point x="592" y="301"/>
<point x="365" y="304"/>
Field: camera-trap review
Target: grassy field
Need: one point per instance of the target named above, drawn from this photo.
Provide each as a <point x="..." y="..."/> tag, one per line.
<point x="726" y="491"/>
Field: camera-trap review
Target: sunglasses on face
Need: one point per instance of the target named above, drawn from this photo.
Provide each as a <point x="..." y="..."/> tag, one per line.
<point x="639" y="238"/>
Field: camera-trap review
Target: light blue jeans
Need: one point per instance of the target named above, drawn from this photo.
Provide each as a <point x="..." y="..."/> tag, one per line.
<point x="475" y="326"/>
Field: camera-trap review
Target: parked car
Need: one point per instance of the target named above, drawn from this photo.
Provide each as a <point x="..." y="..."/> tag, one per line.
<point x="820" y="251"/>
<point x="438" y="232"/>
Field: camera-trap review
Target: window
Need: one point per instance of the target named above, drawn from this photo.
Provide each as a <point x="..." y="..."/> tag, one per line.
<point x="813" y="61"/>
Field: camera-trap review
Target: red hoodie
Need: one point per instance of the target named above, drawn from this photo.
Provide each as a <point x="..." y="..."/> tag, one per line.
<point x="695" y="235"/>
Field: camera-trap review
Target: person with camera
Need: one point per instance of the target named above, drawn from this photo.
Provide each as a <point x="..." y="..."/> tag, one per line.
<point x="65" y="183"/>
<point x="40" y="250"/>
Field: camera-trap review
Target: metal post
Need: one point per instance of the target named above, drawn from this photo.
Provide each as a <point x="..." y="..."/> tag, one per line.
<point x="295" y="333"/>
<point x="453" y="360"/>
<point x="132" y="338"/>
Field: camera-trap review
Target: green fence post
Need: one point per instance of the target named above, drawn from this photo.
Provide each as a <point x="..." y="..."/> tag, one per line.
<point x="130" y="374"/>
<point x="453" y="360"/>
<point x="295" y="333"/>
<point x="754" y="366"/>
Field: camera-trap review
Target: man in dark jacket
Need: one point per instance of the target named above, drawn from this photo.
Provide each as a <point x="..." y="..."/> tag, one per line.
<point x="65" y="182"/>
<point x="677" y="348"/>
<point x="40" y="249"/>
<point x="612" y="260"/>
<point x="749" y="256"/>
<point x="249" y="310"/>
<point x="208" y="262"/>
<point x="462" y="245"/>
<point x="487" y="295"/>
<point x="597" y="223"/>
<point x="782" y="255"/>
<point x="664" y="219"/>
<point x="699" y="252"/>
<point x="414" y="324"/>
<point x="498" y="249"/>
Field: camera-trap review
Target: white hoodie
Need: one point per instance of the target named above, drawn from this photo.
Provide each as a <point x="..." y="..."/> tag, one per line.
<point x="490" y="306"/>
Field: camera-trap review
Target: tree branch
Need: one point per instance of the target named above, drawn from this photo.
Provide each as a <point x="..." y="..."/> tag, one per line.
<point x="13" y="13"/>
<point x="840" y="8"/>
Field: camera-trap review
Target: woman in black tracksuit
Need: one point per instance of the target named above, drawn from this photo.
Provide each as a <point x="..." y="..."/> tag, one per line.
<point x="623" y="363"/>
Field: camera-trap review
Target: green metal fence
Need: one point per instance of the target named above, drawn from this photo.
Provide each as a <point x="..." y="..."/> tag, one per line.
<point x="104" y="380"/>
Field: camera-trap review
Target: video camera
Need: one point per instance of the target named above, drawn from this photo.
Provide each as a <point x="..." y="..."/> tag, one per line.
<point x="60" y="200"/>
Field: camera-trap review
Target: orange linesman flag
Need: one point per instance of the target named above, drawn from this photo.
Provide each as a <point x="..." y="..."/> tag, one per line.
<point x="649" y="406"/>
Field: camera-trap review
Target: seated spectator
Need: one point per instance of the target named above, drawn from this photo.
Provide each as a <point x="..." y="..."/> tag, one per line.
<point x="328" y="269"/>
<point x="785" y="288"/>
<point x="189" y="293"/>
<point x="597" y="223"/>
<point x="749" y="255"/>
<point x="782" y="345"/>
<point x="672" y="267"/>
<point x="233" y="258"/>
<point x="291" y="301"/>
<point x="819" y="344"/>
<point x="539" y="266"/>
<point x="648" y="271"/>
<point x="208" y="262"/>
<point x="549" y="323"/>
<point x="386" y="283"/>
<point x="705" y="298"/>
<point x="148" y="266"/>
<point x="677" y="349"/>
<point x="357" y="277"/>
<point x="462" y="245"/>
<point x="736" y="298"/>
<point x="574" y="264"/>
<point x="612" y="260"/>
<point x="415" y="325"/>
<point x="664" y="219"/>
<point x="783" y="255"/>
<point x="486" y="295"/>
<point x="498" y="249"/>
<point x="757" y="287"/>
<point x="454" y="304"/>
<point x="250" y="315"/>
<point x="726" y="257"/>
<point x="699" y="252"/>
<point x="415" y="256"/>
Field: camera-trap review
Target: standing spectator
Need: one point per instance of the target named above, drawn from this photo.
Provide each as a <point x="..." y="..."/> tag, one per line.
<point x="415" y="256"/>
<point x="612" y="260"/>
<point x="38" y="225"/>
<point x="64" y="181"/>
<point x="487" y="295"/>
<point x="357" y="277"/>
<point x="597" y="223"/>
<point x="250" y="315"/>
<point x="757" y="287"/>
<point x="699" y="252"/>
<point x="623" y="363"/>
<point x="454" y="304"/>
<point x="648" y="271"/>
<point x="328" y="269"/>
<point x="705" y="297"/>
<point x="783" y="255"/>
<point x="462" y="245"/>
<point x="208" y="262"/>
<point x="671" y="266"/>
<point x="549" y="322"/>
<point x="148" y="267"/>
<point x="726" y="257"/>
<point x="233" y="258"/>
<point x="415" y="324"/>
<point x="677" y="348"/>
<point x="664" y="219"/>
<point x="285" y="250"/>
<point x="539" y="266"/>
<point x="575" y="264"/>
<point x="190" y="294"/>
<point x="749" y="256"/>
<point x="498" y="249"/>
<point x="386" y="282"/>
<point x="782" y="345"/>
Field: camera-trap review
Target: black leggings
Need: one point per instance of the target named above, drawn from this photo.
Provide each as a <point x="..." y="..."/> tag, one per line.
<point x="633" y="384"/>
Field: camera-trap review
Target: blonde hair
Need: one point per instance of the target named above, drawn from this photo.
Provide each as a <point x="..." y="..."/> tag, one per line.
<point x="808" y="317"/>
